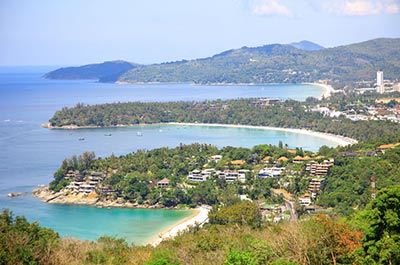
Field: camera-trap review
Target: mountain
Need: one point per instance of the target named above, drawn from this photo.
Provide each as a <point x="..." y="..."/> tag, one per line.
<point x="104" y="72"/>
<point x="306" y="45"/>
<point x="275" y="63"/>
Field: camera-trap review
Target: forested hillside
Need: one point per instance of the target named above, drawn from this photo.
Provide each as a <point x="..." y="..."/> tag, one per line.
<point x="274" y="63"/>
<point x="105" y="72"/>
<point x="278" y="63"/>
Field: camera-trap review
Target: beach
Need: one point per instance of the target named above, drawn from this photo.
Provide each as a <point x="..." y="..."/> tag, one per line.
<point x="199" y="217"/>
<point x="338" y="139"/>
<point x="328" y="90"/>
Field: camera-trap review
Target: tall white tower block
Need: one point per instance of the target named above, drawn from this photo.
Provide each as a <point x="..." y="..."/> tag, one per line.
<point x="380" y="88"/>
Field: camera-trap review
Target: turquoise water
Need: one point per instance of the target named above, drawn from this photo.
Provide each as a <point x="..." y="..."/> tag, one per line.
<point x="138" y="226"/>
<point x="29" y="154"/>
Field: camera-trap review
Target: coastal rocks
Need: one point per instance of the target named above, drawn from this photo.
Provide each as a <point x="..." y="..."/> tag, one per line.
<point x="16" y="194"/>
<point x="63" y="197"/>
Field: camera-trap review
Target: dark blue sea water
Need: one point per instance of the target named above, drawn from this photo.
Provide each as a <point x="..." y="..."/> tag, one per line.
<point x="30" y="154"/>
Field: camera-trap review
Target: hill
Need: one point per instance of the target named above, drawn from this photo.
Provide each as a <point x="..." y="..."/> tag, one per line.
<point x="104" y="72"/>
<point x="275" y="63"/>
<point x="278" y="63"/>
<point x="306" y="45"/>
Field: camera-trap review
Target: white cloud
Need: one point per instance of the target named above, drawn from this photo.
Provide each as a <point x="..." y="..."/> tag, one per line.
<point x="269" y="8"/>
<point x="361" y="7"/>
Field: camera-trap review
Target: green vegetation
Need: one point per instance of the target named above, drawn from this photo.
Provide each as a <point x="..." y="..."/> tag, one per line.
<point x="370" y="236"/>
<point x="105" y="72"/>
<point x="24" y="243"/>
<point x="288" y="114"/>
<point x="273" y="63"/>
<point x="133" y="177"/>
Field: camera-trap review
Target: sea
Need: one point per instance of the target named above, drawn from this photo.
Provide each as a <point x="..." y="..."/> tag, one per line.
<point x="30" y="154"/>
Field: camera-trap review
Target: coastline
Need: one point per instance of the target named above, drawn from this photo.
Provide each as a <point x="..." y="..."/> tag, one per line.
<point x="328" y="90"/>
<point x="338" y="139"/>
<point x="199" y="217"/>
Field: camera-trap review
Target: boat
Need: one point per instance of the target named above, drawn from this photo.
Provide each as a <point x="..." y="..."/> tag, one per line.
<point x="139" y="134"/>
<point x="81" y="139"/>
<point x="108" y="134"/>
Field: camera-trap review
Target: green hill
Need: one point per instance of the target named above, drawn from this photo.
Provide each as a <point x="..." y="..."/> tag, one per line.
<point x="104" y="72"/>
<point x="274" y="63"/>
<point x="278" y="63"/>
<point x="306" y="45"/>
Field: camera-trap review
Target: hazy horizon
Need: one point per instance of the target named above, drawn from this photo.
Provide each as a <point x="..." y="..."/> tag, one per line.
<point x="63" y="33"/>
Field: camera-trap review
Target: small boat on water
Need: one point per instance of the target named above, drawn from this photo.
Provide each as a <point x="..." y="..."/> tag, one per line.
<point x="108" y="134"/>
<point x="139" y="134"/>
<point x="81" y="139"/>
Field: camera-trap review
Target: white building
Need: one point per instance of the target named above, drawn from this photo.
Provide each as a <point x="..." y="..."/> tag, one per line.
<point x="233" y="175"/>
<point x="273" y="172"/>
<point x="200" y="176"/>
<point x="380" y="87"/>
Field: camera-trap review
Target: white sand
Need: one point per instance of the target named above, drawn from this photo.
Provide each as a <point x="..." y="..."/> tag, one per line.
<point x="328" y="90"/>
<point x="339" y="140"/>
<point x="199" y="218"/>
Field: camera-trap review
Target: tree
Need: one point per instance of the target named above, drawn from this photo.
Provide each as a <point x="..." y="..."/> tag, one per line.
<point x="243" y="213"/>
<point x="381" y="242"/>
<point x="22" y="242"/>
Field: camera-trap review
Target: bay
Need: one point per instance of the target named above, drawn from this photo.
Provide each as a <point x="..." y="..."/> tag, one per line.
<point x="30" y="154"/>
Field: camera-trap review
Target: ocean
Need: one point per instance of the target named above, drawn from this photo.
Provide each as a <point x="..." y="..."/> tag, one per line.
<point x="29" y="154"/>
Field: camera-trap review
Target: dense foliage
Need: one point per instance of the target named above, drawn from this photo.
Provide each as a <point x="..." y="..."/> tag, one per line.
<point x="106" y="72"/>
<point x="133" y="177"/>
<point x="22" y="242"/>
<point x="288" y="114"/>
<point x="280" y="64"/>
<point x="273" y="63"/>
<point x="381" y="242"/>
<point x="318" y="240"/>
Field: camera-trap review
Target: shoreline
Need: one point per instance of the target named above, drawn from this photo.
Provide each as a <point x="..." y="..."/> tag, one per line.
<point x="328" y="90"/>
<point x="199" y="217"/>
<point x="338" y="139"/>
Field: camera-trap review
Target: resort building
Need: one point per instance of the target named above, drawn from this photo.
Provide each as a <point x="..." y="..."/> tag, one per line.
<point x="300" y="159"/>
<point x="238" y="162"/>
<point x="270" y="172"/>
<point x="163" y="183"/>
<point x="385" y="147"/>
<point x="215" y="158"/>
<point x="315" y="186"/>
<point x="305" y="199"/>
<point x="233" y="175"/>
<point x="380" y="87"/>
<point x="266" y="160"/>
<point x="200" y="176"/>
<point x="317" y="169"/>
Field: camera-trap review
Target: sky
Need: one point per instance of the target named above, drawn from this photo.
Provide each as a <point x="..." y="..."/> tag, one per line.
<point x="75" y="32"/>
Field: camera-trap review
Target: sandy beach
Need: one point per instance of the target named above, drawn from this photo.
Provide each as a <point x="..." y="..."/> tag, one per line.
<point x="328" y="90"/>
<point x="199" y="217"/>
<point x="338" y="139"/>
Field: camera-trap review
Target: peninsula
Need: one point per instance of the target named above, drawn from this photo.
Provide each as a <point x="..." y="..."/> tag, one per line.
<point x="274" y="63"/>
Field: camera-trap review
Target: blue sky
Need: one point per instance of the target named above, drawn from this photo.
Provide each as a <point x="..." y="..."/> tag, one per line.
<point x="73" y="32"/>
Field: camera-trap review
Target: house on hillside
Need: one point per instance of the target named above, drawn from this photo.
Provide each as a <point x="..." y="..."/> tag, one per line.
<point x="200" y="176"/>
<point x="385" y="147"/>
<point x="238" y="162"/>
<point x="163" y="183"/>
<point x="305" y="199"/>
<point x="300" y="159"/>
<point x="272" y="172"/>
